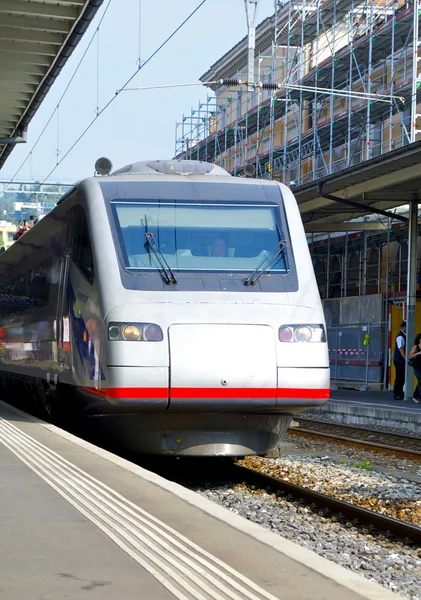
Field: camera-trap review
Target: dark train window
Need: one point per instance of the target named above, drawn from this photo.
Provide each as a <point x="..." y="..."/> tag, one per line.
<point x="82" y="251"/>
<point x="203" y="236"/>
<point x="30" y="289"/>
<point x="41" y="283"/>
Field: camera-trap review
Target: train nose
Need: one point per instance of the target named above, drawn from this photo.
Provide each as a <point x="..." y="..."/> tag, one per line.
<point x="222" y="367"/>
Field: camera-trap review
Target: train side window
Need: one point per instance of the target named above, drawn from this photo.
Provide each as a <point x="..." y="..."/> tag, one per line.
<point x="41" y="283"/>
<point x="82" y="251"/>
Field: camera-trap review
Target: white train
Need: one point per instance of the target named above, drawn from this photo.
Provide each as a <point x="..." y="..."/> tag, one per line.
<point x="174" y="304"/>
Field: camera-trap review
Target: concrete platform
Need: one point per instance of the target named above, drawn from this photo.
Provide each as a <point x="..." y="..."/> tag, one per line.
<point x="78" y="522"/>
<point x="371" y="408"/>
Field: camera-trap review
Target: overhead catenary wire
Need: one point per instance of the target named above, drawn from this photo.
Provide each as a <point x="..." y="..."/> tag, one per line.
<point x="274" y="87"/>
<point x="111" y="100"/>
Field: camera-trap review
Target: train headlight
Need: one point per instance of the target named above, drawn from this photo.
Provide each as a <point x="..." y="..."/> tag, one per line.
<point x="152" y="333"/>
<point x="302" y="333"/>
<point x="135" y="332"/>
<point x="114" y="332"/>
<point x="131" y="333"/>
<point x="285" y="334"/>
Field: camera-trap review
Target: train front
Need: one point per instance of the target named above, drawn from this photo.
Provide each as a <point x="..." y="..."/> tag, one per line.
<point x="214" y="325"/>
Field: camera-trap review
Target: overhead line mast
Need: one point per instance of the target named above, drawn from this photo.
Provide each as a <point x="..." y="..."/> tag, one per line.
<point x="251" y="7"/>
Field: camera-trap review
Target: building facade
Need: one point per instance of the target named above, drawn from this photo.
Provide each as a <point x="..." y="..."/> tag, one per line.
<point x="349" y="87"/>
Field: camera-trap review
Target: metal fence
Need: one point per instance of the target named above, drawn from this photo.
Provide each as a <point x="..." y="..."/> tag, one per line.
<point x="358" y="353"/>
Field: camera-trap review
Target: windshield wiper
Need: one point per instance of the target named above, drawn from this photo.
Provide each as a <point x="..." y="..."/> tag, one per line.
<point x="268" y="262"/>
<point x="165" y="270"/>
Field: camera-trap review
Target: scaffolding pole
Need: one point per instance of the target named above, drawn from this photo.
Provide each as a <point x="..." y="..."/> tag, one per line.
<point x="315" y="98"/>
<point x="369" y="84"/>
<point x="288" y="64"/>
<point x="332" y="98"/>
<point x="411" y="293"/>
<point x="415" y="78"/>
<point x="392" y="79"/>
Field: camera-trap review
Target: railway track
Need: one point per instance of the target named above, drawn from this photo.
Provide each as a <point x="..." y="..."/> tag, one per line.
<point x="351" y="511"/>
<point x="405" y="446"/>
<point x="194" y="473"/>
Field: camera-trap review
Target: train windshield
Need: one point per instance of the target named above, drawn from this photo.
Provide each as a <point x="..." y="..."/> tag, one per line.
<point x="201" y="237"/>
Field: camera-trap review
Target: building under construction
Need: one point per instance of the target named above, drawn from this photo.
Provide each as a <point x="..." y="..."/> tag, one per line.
<point x="347" y="75"/>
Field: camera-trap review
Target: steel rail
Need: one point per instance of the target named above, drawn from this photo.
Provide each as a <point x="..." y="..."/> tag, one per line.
<point x="381" y="522"/>
<point x="380" y="447"/>
<point x="376" y="447"/>
<point x="404" y="436"/>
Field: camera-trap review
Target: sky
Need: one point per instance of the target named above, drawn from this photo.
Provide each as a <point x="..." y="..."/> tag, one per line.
<point x="138" y="125"/>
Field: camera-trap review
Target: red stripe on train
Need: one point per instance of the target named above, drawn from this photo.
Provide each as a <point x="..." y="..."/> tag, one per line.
<point x="156" y="393"/>
<point x="248" y="393"/>
<point x="203" y="393"/>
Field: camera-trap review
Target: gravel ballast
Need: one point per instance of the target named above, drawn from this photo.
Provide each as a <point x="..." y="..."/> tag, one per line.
<point x="395" y="565"/>
<point x="353" y="476"/>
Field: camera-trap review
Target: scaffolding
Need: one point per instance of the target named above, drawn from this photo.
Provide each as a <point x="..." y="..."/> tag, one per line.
<point x="303" y="132"/>
<point x="364" y="262"/>
<point x="362" y="277"/>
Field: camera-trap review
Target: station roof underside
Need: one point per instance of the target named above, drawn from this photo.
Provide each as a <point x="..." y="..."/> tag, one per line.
<point x="36" y="39"/>
<point x="385" y="182"/>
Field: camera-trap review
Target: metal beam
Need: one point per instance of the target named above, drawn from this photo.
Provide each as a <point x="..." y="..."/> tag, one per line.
<point x="28" y="48"/>
<point x="411" y="298"/>
<point x="21" y="67"/>
<point x="337" y="227"/>
<point x="373" y="185"/>
<point x="393" y="198"/>
<point x="11" y="95"/>
<point x="7" y="122"/>
<point x="18" y="139"/>
<point x="314" y="204"/>
<point x="17" y="86"/>
<point x="359" y="205"/>
<point x="340" y="214"/>
<point x="52" y="11"/>
<point x="49" y="37"/>
<point x="380" y="182"/>
<point x="23" y="22"/>
<point x="391" y="195"/>
<point x="11" y="103"/>
<point x="19" y="76"/>
<point x="11" y="112"/>
<point x="12" y="58"/>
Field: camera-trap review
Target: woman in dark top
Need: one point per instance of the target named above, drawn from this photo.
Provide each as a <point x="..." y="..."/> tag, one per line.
<point x="416" y="353"/>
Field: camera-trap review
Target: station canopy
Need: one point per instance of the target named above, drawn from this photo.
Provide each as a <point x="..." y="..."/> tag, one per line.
<point x="36" y="39"/>
<point x="376" y="186"/>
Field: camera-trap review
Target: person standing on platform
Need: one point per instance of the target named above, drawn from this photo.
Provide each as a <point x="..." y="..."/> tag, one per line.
<point x="399" y="360"/>
<point x="416" y="355"/>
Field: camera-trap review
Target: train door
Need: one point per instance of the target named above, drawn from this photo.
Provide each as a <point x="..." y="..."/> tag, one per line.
<point x="85" y="319"/>
<point x="62" y="315"/>
<point x="63" y="308"/>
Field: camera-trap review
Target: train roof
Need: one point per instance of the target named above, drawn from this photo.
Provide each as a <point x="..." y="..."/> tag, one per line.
<point x="154" y="170"/>
<point x="172" y="167"/>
